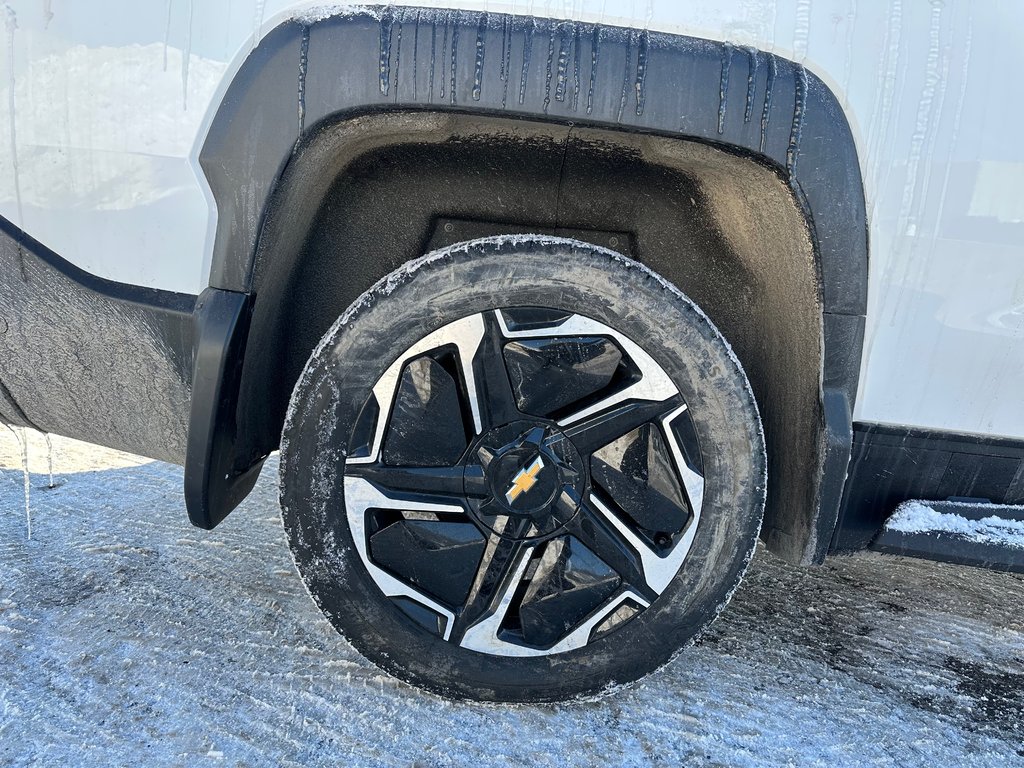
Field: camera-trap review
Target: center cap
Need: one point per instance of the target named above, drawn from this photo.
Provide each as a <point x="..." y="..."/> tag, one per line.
<point x="523" y="482"/>
<point x="535" y="479"/>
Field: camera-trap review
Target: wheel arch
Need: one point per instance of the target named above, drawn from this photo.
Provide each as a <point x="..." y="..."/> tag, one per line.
<point x="305" y="85"/>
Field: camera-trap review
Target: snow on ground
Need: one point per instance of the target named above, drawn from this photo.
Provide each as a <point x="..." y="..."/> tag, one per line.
<point x="918" y="517"/>
<point x="128" y="637"/>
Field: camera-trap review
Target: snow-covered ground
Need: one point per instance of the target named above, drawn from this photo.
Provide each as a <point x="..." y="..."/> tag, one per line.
<point x="128" y="637"/>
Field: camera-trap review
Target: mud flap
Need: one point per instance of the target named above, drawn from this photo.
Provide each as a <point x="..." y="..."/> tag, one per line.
<point x="213" y="484"/>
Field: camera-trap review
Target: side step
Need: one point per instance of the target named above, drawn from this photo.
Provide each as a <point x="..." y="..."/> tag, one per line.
<point x="964" y="532"/>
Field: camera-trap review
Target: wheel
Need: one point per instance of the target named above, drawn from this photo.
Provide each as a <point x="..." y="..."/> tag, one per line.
<point x="522" y="469"/>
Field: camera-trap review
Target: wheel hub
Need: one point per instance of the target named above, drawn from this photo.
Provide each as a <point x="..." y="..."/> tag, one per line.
<point x="535" y="479"/>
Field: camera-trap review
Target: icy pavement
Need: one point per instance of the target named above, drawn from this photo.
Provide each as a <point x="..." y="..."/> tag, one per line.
<point x="128" y="637"/>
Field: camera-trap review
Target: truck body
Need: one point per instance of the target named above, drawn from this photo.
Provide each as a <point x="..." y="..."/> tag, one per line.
<point x="162" y="166"/>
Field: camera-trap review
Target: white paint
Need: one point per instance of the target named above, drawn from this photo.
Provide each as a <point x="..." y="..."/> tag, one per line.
<point x="107" y="166"/>
<point x="103" y="144"/>
<point x="693" y="481"/>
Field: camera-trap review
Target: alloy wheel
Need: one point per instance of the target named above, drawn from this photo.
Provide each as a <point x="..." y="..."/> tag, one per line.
<point x="523" y="481"/>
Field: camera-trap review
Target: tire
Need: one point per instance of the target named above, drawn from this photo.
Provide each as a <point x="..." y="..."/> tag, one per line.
<point x="558" y="523"/>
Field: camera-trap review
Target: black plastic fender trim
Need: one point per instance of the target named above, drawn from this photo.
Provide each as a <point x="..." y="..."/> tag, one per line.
<point x="891" y="464"/>
<point x="947" y="547"/>
<point x="311" y="71"/>
<point x="838" y="445"/>
<point x="754" y="102"/>
<point x="91" y="358"/>
<point x="213" y="485"/>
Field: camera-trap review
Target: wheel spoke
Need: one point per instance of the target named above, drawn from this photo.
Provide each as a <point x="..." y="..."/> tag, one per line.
<point x="436" y="481"/>
<point x="569" y="583"/>
<point x="493" y="386"/>
<point x="597" y="431"/>
<point x="597" y="534"/>
<point x="497" y="578"/>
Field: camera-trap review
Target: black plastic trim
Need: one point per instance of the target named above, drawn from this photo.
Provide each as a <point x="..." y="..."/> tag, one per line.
<point x="11" y="412"/>
<point x="301" y="74"/>
<point x="76" y="349"/>
<point x="891" y="464"/>
<point x="952" y="548"/>
<point x="213" y="485"/>
<point x="838" y="440"/>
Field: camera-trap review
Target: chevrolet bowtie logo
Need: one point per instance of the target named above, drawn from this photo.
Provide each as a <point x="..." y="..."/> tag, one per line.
<point x="524" y="480"/>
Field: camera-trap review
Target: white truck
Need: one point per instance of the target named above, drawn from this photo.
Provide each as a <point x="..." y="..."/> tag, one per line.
<point x="552" y="308"/>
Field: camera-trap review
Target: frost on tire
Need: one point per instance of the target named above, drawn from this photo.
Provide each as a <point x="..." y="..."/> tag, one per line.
<point x="527" y="470"/>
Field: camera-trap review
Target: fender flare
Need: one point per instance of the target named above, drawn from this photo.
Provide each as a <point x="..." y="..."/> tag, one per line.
<point x="306" y="71"/>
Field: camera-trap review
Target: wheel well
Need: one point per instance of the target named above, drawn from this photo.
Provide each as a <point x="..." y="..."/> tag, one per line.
<point x="362" y="196"/>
